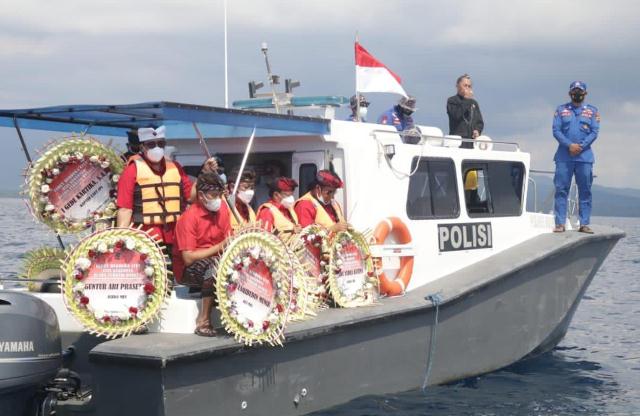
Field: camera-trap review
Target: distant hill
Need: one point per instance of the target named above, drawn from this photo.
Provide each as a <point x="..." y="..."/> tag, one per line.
<point x="607" y="202"/>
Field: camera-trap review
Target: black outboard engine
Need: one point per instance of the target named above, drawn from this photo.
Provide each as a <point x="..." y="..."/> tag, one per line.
<point x="30" y="352"/>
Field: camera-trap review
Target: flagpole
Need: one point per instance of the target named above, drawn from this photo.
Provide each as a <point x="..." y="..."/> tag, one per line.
<point x="357" y="117"/>
<point x="226" y="62"/>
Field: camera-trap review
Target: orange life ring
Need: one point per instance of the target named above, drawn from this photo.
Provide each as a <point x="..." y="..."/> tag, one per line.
<point x="399" y="230"/>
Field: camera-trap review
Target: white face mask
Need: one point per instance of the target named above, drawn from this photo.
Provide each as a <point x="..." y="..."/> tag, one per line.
<point x="212" y="205"/>
<point x="363" y="113"/>
<point x="246" y="196"/>
<point x="288" y="201"/>
<point x="155" y="155"/>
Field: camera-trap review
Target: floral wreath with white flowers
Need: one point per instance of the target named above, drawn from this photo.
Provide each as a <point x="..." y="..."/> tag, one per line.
<point x="369" y="290"/>
<point x="56" y="157"/>
<point x="153" y="290"/>
<point x="253" y="246"/>
<point x="42" y="262"/>
<point x="317" y="236"/>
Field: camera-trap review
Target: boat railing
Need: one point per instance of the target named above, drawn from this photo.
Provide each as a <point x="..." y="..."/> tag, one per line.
<point x="411" y="136"/>
<point x="572" y="203"/>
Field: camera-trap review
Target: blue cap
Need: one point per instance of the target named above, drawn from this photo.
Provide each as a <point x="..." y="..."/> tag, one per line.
<point x="578" y="84"/>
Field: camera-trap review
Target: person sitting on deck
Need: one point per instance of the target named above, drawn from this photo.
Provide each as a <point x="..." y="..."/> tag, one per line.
<point x="318" y="206"/>
<point x="246" y="191"/>
<point x="358" y="112"/>
<point x="400" y="114"/>
<point x="277" y="214"/>
<point x="201" y="234"/>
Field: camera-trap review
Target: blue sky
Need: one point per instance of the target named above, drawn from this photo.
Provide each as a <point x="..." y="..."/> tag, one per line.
<point x="522" y="56"/>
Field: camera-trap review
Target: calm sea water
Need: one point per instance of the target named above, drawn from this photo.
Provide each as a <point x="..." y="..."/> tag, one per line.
<point x="594" y="371"/>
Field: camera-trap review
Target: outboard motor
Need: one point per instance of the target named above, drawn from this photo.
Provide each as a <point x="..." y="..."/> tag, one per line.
<point x="30" y="352"/>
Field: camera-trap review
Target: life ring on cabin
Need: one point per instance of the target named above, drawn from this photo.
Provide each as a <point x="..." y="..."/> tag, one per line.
<point x="483" y="143"/>
<point x="395" y="227"/>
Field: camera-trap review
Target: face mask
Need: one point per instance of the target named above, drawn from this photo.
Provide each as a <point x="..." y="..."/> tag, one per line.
<point x="323" y="200"/>
<point x="223" y="177"/>
<point x="577" y="97"/>
<point x="288" y="201"/>
<point x="246" y="196"/>
<point x="212" y="205"/>
<point x="406" y="111"/>
<point x="156" y="154"/>
<point x="363" y="113"/>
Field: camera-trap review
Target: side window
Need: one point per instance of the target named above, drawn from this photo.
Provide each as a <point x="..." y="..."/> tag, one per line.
<point x="493" y="188"/>
<point x="432" y="189"/>
<point x="306" y="174"/>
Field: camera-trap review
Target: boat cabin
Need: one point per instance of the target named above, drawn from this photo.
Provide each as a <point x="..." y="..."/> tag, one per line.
<point x="459" y="205"/>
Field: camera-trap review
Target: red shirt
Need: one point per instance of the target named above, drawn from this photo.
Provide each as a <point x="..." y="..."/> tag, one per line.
<point x="265" y="216"/>
<point x="199" y="228"/>
<point x="126" y="187"/>
<point x="306" y="212"/>
<point x="243" y="210"/>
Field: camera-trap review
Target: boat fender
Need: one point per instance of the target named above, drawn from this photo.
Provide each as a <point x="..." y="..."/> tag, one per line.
<point x="395" y="227"/>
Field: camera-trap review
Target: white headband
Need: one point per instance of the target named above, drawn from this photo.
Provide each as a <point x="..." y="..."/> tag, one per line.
<point x="148" y="133"/>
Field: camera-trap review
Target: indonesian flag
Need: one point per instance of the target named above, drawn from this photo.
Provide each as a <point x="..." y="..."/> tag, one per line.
<point x="373" y="76"/>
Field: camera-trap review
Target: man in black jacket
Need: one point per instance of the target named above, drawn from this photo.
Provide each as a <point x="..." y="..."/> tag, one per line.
<point x="464" y="114"/>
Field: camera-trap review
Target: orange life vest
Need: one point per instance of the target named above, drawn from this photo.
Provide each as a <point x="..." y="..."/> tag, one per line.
<point x="280" y="222"/>
<point x="322" y="217"/>
<point x="157" y="199"/>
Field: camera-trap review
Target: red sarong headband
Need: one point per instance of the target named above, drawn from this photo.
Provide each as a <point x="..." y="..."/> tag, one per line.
<point x="328" y="178"/>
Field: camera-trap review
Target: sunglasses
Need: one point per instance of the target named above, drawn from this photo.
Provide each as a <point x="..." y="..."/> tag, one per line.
<point x="152" y="144"/>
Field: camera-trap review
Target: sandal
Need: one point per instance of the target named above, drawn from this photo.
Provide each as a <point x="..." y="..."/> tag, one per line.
<point x="559" y="229"/>
<point x="585" y="229"/>
<point x="205" y="330"/>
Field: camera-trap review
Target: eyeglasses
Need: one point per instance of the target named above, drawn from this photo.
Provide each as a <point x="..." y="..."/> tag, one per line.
<point x="152" y="144"/>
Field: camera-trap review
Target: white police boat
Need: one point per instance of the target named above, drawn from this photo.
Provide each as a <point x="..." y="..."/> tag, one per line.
<point x="489" y="283"/>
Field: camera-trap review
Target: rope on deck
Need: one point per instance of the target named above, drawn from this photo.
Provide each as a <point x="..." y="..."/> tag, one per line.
<point x="436" y="300"/>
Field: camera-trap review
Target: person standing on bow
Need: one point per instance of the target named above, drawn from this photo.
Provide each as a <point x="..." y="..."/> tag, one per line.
<point x="575" y="127"/>
<point x="246" y="191"/>
<point x="358" y="112"/>
<point x="201" y="234"/>
<point x="318" y="206"/>
<point x="153" y="191"/>
<point x="400" y="114"/>
<point x="278" y="214"/>
<point x="465" y="118"/>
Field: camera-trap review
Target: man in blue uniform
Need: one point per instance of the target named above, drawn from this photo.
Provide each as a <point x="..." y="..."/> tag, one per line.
<point x="358" y="113"/>
<point x="575" y="127"/>
<point x="400" y="114"/>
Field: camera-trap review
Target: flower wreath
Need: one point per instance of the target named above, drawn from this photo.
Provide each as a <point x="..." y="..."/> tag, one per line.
<point x="251" y="248"/>
<point x="41" y="263"/>
<point x="316" y="236"/>
<point x="368" y="292"/>
<point x="57" y="157"/>
<point x="152" y="290"/>
<point x="304" y="299"/>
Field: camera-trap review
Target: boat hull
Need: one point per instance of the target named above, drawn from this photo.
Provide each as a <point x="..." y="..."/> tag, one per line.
<point x="514" y="305"/>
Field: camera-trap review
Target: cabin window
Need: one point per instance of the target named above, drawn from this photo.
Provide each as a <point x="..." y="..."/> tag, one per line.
<point x="306" y="175"/>
<point x="493" y="188"/>
<point x="433" y="192"/>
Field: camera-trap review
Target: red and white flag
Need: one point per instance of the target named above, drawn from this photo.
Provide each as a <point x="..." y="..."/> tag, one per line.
<point x="373" y="76"/>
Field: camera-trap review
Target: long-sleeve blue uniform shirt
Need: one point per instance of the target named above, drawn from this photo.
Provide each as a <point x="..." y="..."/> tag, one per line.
<point x="575" y="125"/>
